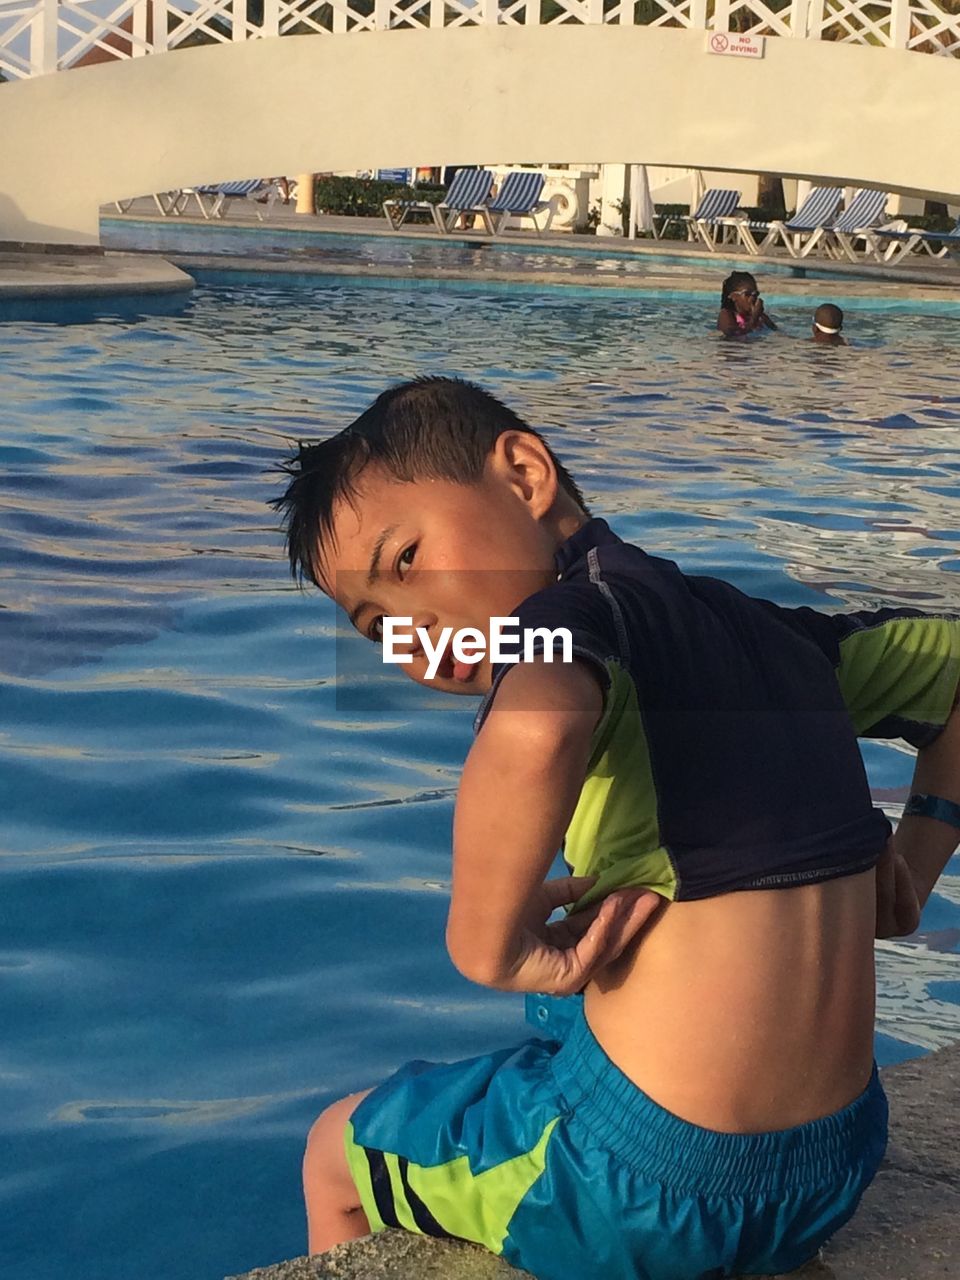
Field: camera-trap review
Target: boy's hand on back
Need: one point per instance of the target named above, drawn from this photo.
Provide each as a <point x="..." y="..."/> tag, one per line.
<point x="561" y="957"/>
<point x="898" y="905"/>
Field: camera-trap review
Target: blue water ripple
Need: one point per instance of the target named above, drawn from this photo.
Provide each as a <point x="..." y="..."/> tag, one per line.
<point x="224" y="874"/>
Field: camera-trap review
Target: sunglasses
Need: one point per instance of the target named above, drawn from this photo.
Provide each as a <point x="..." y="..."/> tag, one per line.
<point x="748" y="293"/>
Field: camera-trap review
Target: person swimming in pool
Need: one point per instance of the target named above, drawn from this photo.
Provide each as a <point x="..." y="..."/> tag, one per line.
<point x="828" y="325"/>
<point x="741" y="307"/>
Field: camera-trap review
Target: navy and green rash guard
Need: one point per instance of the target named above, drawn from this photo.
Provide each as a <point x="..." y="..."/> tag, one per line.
<point x="726" y="757"/>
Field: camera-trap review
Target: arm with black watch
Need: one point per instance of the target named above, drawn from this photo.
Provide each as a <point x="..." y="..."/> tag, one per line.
<point x="929" y="831"/>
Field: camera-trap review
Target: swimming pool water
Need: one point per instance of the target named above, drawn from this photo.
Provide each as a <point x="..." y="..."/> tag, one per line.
<point x="221" y="896"/>
<point x="364" y="252"/>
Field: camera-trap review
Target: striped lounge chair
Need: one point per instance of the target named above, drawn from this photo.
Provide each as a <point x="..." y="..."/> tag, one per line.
<point x="802" y="233"/>
<point x="859" y="221"/>
<point x="167" y="202"/>
<point x="519" y="197"/>
<point x="467" y="193"/>
<point x="895" y="245"/>
<point x="714" y="211"/>
<point x="220" y="194"/>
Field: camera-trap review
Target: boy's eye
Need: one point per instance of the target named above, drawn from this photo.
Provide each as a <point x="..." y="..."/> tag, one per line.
<point x="406" y="558"/>
<point x="375" y="630"/>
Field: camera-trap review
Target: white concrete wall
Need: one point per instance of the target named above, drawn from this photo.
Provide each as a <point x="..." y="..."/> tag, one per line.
<point x="853" y="114"/>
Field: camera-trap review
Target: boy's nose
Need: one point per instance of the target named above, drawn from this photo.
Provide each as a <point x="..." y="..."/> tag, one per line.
<point x="425" y="624"/>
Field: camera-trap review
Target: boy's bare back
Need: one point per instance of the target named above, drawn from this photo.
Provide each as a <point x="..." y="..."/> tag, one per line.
<point x="747" y="1012"/>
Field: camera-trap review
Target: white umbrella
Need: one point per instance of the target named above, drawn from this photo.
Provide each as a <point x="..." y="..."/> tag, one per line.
<point x="698" y="188"/>
<point x="641" y="202"/>
<point x="803" y="190"/>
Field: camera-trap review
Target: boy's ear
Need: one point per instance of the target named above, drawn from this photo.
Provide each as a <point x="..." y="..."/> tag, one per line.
<point x="523" y="461"/>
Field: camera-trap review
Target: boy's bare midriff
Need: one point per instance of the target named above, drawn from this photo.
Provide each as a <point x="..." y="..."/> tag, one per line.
<point x="747" y="1012"/>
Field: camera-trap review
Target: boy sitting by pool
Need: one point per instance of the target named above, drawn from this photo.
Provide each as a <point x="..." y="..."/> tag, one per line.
<point x="710" y="1107"/>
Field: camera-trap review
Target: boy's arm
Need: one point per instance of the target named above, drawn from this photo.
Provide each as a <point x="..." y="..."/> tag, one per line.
<point x="898" y="671"/>
<point x="927" y="844"/>
<point x="519" y="788"/>
<point x="899" y="675"/>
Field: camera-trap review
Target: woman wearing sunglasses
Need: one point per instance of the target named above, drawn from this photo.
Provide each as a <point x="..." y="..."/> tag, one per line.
<point x="741" y="307"/>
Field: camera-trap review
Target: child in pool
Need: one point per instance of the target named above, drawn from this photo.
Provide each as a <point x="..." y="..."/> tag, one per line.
<point x="828" y="325"/>
<point x="741" y="307"/>
<point x="709" y="1106"/>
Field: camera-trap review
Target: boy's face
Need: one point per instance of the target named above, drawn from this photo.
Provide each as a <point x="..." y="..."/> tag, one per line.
<point x="445" y="555"/>
<point x="828" y="339"/>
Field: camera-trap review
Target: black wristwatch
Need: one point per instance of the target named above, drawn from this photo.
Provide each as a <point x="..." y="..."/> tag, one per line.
<point x="923" y="806"/>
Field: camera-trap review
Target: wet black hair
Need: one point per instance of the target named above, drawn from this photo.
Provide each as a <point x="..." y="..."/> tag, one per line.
<point x="734" y="281"/>
<point x="431" y="428"/>
<point x="829" y="314"/>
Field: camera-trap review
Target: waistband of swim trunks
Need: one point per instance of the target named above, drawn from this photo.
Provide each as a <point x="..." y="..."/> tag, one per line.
<point x="693" y="1160"/>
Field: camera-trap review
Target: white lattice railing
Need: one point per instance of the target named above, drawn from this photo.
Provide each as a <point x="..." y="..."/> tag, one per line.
<point x="41" y="36"/>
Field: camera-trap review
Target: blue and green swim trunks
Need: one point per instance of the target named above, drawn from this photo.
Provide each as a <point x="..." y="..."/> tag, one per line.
<point x="549" y="1156"/>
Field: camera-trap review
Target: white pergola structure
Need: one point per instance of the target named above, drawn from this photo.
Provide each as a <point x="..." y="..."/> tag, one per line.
<point x="38" y="37"/>
<point x="837" y="92"/>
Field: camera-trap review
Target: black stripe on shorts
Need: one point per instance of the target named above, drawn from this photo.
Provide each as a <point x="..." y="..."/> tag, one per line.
<point x="382" y="1190"/>
<point x="421" y="1215"/>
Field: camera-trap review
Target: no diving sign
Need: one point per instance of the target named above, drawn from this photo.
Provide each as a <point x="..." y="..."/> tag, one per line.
<point x="728" y="44"/>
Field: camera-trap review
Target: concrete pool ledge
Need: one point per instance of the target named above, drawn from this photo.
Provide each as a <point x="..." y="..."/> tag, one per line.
<point x="907" y="1226"/>
<point x="51" y="275"/>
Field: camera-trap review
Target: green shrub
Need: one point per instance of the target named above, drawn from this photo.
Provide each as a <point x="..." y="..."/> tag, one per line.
<point x="676" y="230"/>
<point x="364" y="197"/>
<point x="929" y="221"/>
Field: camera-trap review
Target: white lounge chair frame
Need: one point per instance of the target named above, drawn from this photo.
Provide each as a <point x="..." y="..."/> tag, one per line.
<point x="812" y="219"/>
<point x="711" y="217"/>
<point x="166" y="202"/>
<point x="221" y="194"/>
<point x="519" y="198"/>
<point x="212" y="201"/>
<point x="468" y="193"/>
<point x="714" y="210"/>
<point x="865" y="212"/>
<point x="901" y="243"/>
